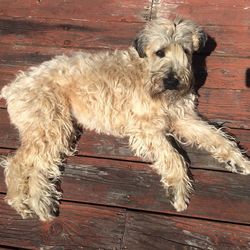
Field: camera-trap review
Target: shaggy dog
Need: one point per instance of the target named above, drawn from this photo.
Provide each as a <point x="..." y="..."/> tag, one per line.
<point x="143" y="93"/>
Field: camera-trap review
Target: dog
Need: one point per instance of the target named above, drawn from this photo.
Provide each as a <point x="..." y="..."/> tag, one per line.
<point x="144" y="93"/>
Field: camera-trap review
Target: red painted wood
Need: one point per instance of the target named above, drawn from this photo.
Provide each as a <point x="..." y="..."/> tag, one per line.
<point x="33" y="31"/>
<point x="98" y="10"/>
<point x="217" y="196"/>
<point x="100" y="145"/>
<point x="226" y="105"/>
<point x="230" y="40"/>
<point x="207" y="12"/>
<point x="147" y="232"/>
<point x="75" y="34"/>
<point x="233" y="108"/>
<point x="77" y="226"/>
<point x="222" y="72"/>
<point x="94" y="227"/>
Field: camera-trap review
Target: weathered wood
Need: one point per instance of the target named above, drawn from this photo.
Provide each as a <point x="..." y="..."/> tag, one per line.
<point x="91" y="227"/>
<point x="229" y="40"/>
<point x="207" y="12"/>
<point x="76" y="34"/>
<point x="226" y="105"/>
<point x="222" y="72"/>
<point x="218" y="195"/>
<point x="100" y="145"/>
<point x="78" y="225"/>
<point x="233" y="108"/>
<point x="147" y="232"/>
<point x="137" y="186"/>
<point x="34" y="31"/>
<point x="110" y="10"/>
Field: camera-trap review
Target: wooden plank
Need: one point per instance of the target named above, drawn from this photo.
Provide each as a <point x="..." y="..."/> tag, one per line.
<point x="232" y="109"/>
<point x="218" y="195"/>
<point x="206" y="12"/>
<point x="222" y="72"/>
<point x="110" y="10"/>
<point x="137" y="186"/>
<point x="213" y="12"/>
<point x="226" y="105"/>
<point x="147" y="232"/>
<point x="93" y="227"/>
<point x="100" y="145"/>
<point x="229" y="40"/>
<point x="75" y="34"/>
<point x="19" y="55"/>
<point x="78" y="225"/>
<point x="92" y="34"/>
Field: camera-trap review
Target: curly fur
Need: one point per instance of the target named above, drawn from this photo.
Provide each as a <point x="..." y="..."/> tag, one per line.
<point x="143" y="93"/>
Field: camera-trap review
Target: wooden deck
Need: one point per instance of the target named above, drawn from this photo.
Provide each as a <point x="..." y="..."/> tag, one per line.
<point x="113" y="200"/>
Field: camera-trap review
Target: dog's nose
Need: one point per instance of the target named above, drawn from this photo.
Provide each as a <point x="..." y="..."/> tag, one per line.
<point x="171" y="82"/>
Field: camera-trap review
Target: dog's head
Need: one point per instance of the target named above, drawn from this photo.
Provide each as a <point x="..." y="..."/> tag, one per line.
<point x="168" y="47"/>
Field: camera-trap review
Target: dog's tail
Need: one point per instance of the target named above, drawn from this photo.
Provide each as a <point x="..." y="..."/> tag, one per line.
<point x="42" y="116"/>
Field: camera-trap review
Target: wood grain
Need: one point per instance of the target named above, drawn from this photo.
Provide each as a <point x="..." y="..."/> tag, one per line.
<point x="78" y="225"/>
<point x="225" y="40"/>
<point x="226" y="105"/>
<point x="129" y="208"/>
<point x="74" y="34"/>
<point x="232" y="109"/>
<point x="222" y="73"/>
<point x="207" y="12"/>
<point x="91" y="227"/>
<point x="147" y="232"/>
<point x="101" y="145"/>
<point x="110" y="10"/>
<point x="104" y="146"/>
<point x="218" y="195"/>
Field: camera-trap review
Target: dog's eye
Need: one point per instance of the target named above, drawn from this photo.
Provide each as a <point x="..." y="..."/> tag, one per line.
<point x="160" y="53"/>
<point x="186" y="51"/>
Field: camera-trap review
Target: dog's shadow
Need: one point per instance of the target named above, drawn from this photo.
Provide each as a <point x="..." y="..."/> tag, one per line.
<point x="199" y="63"/>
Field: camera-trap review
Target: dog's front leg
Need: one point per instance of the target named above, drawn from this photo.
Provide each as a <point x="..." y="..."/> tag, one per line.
<point x="194" y="131"/>
<point x="167" y="162"/>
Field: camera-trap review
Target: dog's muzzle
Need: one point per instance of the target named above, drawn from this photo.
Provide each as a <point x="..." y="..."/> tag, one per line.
<point x="170" y="82"/>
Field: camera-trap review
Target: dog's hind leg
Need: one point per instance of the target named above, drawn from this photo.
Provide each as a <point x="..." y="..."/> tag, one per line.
<point x="168" y="163"/>
<point x="44" y="122"/>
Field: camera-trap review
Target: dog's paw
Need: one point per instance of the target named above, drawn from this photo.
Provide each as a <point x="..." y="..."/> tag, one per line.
<point x="180" y="205"/>
<point x="46" y="208"/>
<point x="21" y="207"/>
<point x="179" y="196"/>
<point x="241" y="167"/>
<point x="180" y="201"/>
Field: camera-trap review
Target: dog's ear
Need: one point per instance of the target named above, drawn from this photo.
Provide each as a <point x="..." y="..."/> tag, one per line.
<point x="138" y="44"/>
<point x="199" y="38"/>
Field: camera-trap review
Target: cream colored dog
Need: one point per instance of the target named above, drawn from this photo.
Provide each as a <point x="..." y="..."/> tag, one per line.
<point x="143" y="93"/>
